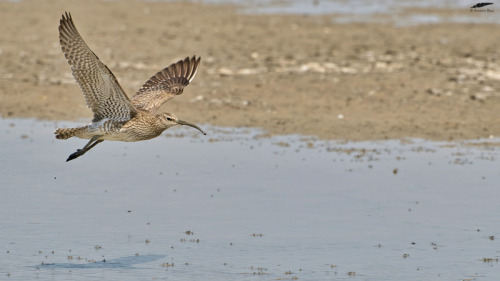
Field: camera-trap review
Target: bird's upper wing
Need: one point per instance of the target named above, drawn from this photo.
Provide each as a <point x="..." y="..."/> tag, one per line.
<point x="102" y="91"/>
<point x="166" y="84"/>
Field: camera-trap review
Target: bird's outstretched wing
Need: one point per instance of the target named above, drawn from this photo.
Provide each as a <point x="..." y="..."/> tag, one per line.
<point x="102" y="91"/>
<point x="166" y="84"/>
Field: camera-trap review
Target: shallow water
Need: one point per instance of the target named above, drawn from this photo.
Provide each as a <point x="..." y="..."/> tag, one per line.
<point x="387" y="11"/>
<point x="233" y="206"/>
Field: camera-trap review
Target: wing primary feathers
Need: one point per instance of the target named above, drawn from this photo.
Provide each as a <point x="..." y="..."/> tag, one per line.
<point x="166" y="84"/>
<point x="100" y="88"/>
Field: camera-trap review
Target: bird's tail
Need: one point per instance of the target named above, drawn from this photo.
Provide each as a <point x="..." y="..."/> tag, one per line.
<point x="67" y="133"/>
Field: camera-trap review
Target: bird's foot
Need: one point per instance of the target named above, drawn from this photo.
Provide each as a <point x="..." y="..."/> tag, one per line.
<point x="78" y="153"/>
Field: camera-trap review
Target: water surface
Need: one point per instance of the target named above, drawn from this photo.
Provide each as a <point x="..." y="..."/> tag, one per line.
<point x="398" y="12"/>
<point x="234" y="206"/>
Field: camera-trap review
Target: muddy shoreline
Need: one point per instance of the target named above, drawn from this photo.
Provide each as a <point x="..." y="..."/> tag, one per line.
<point x="288" y="74"/>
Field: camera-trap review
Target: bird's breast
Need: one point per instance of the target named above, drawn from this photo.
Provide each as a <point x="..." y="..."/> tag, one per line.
<point x="140" y="128"/>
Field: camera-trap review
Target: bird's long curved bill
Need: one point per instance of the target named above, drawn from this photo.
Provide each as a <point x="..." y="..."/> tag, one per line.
<point x="180" y="122"/>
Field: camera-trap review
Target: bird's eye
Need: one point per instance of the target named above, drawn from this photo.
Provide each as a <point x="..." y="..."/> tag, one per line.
<point x="169" y="119"/>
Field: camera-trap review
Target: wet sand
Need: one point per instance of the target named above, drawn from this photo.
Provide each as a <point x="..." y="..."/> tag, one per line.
<point x="288" y="74"/>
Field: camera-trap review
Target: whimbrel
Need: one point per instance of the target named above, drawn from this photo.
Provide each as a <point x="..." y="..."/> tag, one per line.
<point x="116" y="117"/>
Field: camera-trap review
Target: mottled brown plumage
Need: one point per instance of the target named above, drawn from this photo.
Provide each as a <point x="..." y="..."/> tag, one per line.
<point x="166" y="84"/>
<point x="116" y="117"/>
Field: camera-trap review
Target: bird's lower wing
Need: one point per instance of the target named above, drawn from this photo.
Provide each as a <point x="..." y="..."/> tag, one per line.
<point x="166" y="84"/>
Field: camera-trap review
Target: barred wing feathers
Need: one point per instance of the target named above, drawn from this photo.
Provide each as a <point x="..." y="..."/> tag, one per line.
<point x="166" y="84"/>
<point x="102" y="91"/>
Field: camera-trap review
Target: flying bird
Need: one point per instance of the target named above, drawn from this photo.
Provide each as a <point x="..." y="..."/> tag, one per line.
<point x="116" y="117"/>
<point x="482" y="4"/>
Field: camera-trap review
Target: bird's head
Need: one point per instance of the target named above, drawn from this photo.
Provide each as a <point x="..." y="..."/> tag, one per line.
<point x="171" y="120"/>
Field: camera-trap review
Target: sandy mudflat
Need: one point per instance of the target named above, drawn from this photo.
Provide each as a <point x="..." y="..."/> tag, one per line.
<point x="289" y="74"/>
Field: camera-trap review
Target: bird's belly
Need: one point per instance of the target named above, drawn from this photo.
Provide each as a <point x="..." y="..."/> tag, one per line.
<point x="129" y="135"/>
<point x="110" y="135"/>
<point x="118" y="137"/>
<point x="124" y="132"/>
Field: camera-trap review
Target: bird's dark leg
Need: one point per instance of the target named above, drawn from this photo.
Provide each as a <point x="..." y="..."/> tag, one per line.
<point x="79" y="152"/>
